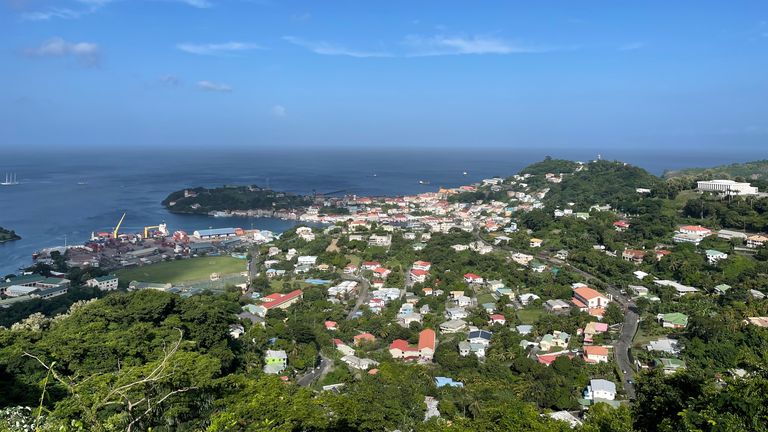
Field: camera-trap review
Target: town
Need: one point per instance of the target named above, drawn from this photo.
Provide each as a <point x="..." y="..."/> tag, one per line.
<point x="572" y="280"/>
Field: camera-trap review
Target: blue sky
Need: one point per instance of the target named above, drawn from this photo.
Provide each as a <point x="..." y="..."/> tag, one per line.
<point x="258" y="73"/>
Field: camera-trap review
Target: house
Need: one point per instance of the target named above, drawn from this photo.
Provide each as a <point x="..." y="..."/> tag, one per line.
<point x="363" y="338"/>
<point x="669" y="365"/>
<point x="427" y="291"/>
<point x="343" y="348"/>
<point x="308" y="261"/>
<point x="331" y="325"/>
<point x="459" y="247"/>
<point x="400" y="349"/>
<point x="278" y="301"/>
<point x="635" y="256"/>
<point x="600" y="389"/>
<point x="557" y="306"/>
<point x="691" y="234"/>
<point x="661" y="253"/>
<point x="585" y="298"/>
<point x="381" y="272"/>
<point x="380" y="240"/>
<point x="103" y="283"/>
<point x="527" y="298"/>
<point x="422" y="265"/>
<point x="549" y="358"/>
<point x="427" y="344"/>
<point x="595" y="354"/>
<point x="524" y="329"/>
<point x="556" y="339"/>
<point x="350" y="269"/>
<point x="565" y="416"/>
<point x="521" y="258"/>
<point x="497" y="319"/>
<point x="535" y="242"/>
<point x="477" y="341"/>
<point x="419" y="275"/>
<point x="236" y="330"/>
<point x="463" y="301"/>
<point x="482" y="337"/>
<point x="665" y="345"/>
<point x="359" y="363"/>
<point x="371" y="265"/>
<point x="714" y="256"/>
<point x="756" y="241"/>
<point x="453" y="326"/>
<point x="722" y="289"/>
<point x="456" y="313"/>
<point x="472" y="278"/>
<point x="621" y="225"/>
<point x="680" y="288"/>
<point x="537" y="267"/>
<point x="275" y="361"/>
<point x="562" y="254"/>
<point x="675" y="320"/>
<point x="593" y="328"/>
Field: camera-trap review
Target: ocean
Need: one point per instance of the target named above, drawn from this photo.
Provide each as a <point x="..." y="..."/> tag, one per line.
<point x="63" y="196"/>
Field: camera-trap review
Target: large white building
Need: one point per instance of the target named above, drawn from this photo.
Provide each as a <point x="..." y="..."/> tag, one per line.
<point x="727" y="187"/>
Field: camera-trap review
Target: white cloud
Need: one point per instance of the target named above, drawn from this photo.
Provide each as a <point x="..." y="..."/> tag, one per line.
<point x="170" y="80"/>
<point x="217" y="48"/>
<point x="87" y="53"/>
<point x="457" y="45"/>
<point x="633" y="46"/>
<point x="213" y="86"/>
<point x="279" y="111"/>
<point x="78" y="9"/>
<point x="326" y="48"/>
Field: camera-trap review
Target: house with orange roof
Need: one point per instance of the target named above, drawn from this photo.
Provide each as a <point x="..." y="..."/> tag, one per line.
<point x="363" y="338"/>
<point x="595" y="354"/>
<point x="585" y="298"/>
<point x="427" y="344"/>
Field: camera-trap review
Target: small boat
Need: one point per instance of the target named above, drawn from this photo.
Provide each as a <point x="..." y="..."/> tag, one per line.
<point x="82" y="183"/>
<point x="465" y="173"/>
<point x="424" y="182"/>
<point x="10" y="180"/>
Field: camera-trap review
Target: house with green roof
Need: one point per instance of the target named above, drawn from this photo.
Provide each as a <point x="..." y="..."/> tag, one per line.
<point x="669" y="365"/>
<point x="675" y="320"/>
<point x="722" y="289"/>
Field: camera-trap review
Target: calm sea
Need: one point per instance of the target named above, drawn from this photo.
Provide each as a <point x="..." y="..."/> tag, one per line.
<point x="65" y="196"/>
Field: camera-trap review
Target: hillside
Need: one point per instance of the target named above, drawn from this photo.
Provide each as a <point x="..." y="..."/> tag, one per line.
<point x="8" y="235"/>
<point x="756" y="170"/>
<point x="603" y="182"/>
<point x="202" y="200"/>
<point x="549" y="165"/>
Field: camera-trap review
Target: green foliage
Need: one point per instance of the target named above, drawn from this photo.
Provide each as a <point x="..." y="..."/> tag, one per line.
<point x="233" y="198"/>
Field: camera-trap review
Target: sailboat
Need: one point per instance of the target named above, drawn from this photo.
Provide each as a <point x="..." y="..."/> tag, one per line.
<point x="10" y="180"/>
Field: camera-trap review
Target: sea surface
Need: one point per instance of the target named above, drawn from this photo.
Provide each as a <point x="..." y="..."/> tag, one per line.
<point x="63" y="196"/>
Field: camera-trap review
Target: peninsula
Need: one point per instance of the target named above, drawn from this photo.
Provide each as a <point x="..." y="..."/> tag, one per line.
<point x="225" y="199"/>
<point x="8" y="235"/>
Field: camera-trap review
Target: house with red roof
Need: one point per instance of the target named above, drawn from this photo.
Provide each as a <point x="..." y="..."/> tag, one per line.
<point x="331" y="325"/>
<point x="497" y="319"/>
<point x="278" y="301"/>
<point x="633" y="255"/>
<point x="423" y="351"/>
<point x="363" y="337"/>
<point x="428" y="291"/>
<point x="549" y="358"/>
<point x="371" y="265"/>
<point x="381" y="272"/>
<point x="661" y="253"/>
<point x="422" y="265"/>
<point x="418" y="275"/>
<point x="472" y="278"/>
<point x="621" y="225"/>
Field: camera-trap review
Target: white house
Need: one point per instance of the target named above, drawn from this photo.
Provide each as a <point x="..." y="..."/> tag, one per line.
<point x="600" y="389"/>
<point x="104" y="283"/>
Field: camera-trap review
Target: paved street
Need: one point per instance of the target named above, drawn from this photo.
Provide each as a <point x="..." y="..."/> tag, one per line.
<point x="362" y="294"/>
<point x="307" y="379"/>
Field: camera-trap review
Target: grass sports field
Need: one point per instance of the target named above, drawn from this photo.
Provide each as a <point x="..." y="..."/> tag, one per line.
<point x="192" y="269"/>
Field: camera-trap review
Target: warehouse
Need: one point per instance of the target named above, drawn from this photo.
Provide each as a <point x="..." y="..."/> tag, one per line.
<point x="216" y="233"/>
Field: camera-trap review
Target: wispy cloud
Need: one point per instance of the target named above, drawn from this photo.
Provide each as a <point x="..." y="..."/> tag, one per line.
<point x="86" y="53"/>
<point x="75" y="10"/>
<point x="200" y="4"/>
<point x="170" y="80"/>
<point x="217" y="48"/>
<point x="633" y="46"/>
<point x="457" y="45"/>
<point x="279" y="111"/>
<point x="327" y="48"/>
<point x="212" y="86"/>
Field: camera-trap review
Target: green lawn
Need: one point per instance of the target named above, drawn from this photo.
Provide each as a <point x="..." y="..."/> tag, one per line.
<point x="192" y="269"/>
<point x="529" y="316"/>
<point x="485" y="298"/>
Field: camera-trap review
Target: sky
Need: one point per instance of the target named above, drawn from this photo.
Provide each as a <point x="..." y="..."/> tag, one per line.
<point x="647" y="75"/>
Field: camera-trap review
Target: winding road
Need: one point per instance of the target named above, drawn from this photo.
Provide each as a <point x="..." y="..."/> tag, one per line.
<point x="628" y="327"/>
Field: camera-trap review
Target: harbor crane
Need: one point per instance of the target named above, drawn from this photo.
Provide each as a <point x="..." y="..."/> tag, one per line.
<point x="163" y="228"/>
<point x="117" y="228"/>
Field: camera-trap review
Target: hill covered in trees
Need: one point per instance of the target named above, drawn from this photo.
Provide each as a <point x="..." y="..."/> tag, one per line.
<point x="8" y="235"/>
<point x="601" y="181"/>
<point x="756" y="170"/>
<point x="202" y="200"/>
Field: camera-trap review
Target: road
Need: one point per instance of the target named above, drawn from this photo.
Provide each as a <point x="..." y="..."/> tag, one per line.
<point x="307" y="379"/>
<point x="362" y="294"/>
<point x="628" y="328"/>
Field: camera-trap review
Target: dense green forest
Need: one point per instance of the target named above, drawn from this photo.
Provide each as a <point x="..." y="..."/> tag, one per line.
<point x="756" y="170"/>
<point x="600" y="182"/>
<point x="203" y="200"/>
<point x="8" y="235"/>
